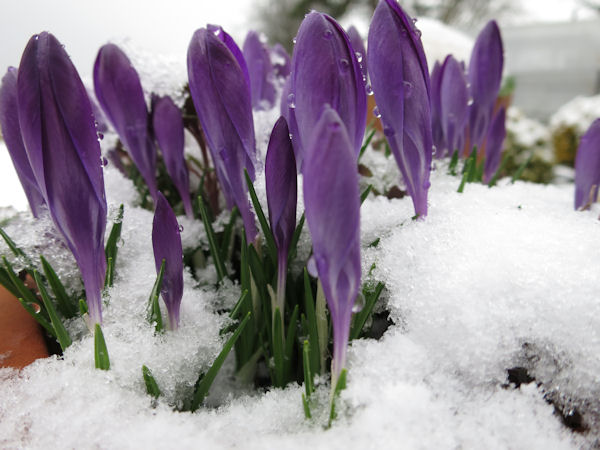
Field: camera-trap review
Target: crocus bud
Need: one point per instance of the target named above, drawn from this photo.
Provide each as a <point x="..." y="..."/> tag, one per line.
<point x="358" y="45"/>
<point x="485" y="76"/>
<point x="221" y="97"/>
<point x="166" y="242"/>
<point x="167" y="124"/>
<point x="60" y="138"/>
<point x="260" y="70"/>
<point x="9" y="123"/>
<point x="332" y="208"/>
<point x="436" y="117"/>
<point x="282" y="194"/>
<point x="493" y="144"/>
<point x="587" y="167"/>
<point x="454" y="103"/>
<point x="119" y="92"/>
<point x="400" y="81"/>
<point x="282" y="63"/>
<point x="325" y="70"/>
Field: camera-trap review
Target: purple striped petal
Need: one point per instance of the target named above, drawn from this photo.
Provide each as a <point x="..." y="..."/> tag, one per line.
<point x="260" y="70"/>
<point x="587" y="167"/>
<point x="222" y="100"/>
<point x="282" y="63"/>
<point x="325" y="70"/>
<point x="167" y="124"/>
<point x="436" y="116"/>
<point x="400" y="81"/>
<point x="11" y="131"/>
<point x="358" y="45"/>
<point x="226" y="38"/>
<point x="332" y="208"/>
<point x="493" y="144"/>
<point x="485" y="76"/>
<point x="60" y="138"/>
<point x="120" y="94"/>
<point x="166" y="243"/>
<point x="454" y="102"/>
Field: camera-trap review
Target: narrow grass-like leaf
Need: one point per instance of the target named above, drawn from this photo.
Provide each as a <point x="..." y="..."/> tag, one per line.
<point x="5" y="281"/>
<point x="256" y="265"/>
<point x="239" y="305"/>
<point x="61" y="332"/>
<point x="228" y="233"/>
<point x="264" y="224"/>
<point x="100" y="351"/>
<point x="290" y="337"/>
<point x="111" y="247"/>
<point x="471" y="169"/>
<point x="468" y="163"/>
<point x="308" y="376"/>
<point x="361" y="318"/>
<point x="499" y="172"/>
<point x="453" y="163"/>
<point x="521" y="168"/>
<point x="340" y="385"/>
<point x="365" y="193"/>
<point x="322" y="324"/>
<point x="212" y="243"/>
<point x="38" y="318"/>
<point x="154" y="315"/>
<point x="311" y="319"/>
<point x="64" y="303"/>
<point x="23" y="290"/>
<point x="208" y="378"/>
<point x="306" y="407"/>
<point x="295" y="237"/>
<point x="151" y="385"/>
<point x="83" y="309"/>
<point x="13" y="247"/>
<point x="278" y="352"/>
<point x="366" y="143"/>
<point x="375" y="243"/>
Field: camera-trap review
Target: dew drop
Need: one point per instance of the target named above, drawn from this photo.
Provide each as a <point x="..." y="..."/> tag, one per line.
<point x="369" y="89"/>
<point x="334" y="126"/>
<point x="100" y="136"/>
<point x="291" y="136"/>
<point x="408" y="89"/>
<point x="376" y="112"/>
<point x="344" y="65"/>
<point x="426" y="184"/>
<point x="103" y="161"/>
<point x="294" y="40"/>
<point x="433" y="150"/>
<point x="359" y="304"/>
<point x="414" y="20"/>
<point x="36" y="308"/>
<point x="120" y="243"/>
<point x="418" y="32"/>
<point x="291" y="101"/>
<point x="433" y="167"/>
<point x="470" y="102"/>
<point x="327" y="34"/>
<point x="180" y="228"/>
<point x="359" y="56"/>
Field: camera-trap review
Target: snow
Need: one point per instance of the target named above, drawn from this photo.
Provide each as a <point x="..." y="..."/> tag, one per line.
<point x="578" y="113"/>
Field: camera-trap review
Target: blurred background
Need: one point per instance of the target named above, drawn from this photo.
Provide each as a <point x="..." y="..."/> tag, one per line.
<point x="552" y="52"/>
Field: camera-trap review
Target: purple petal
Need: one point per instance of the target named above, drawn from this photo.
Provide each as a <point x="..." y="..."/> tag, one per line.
<point x="9" y="122"/>
<point x="60" y="138"/>
<point x="282" y="63"/>
<point x="218" y="31"/>
<point x="332" y="208"/>
<point x="325" y="70"/>
<point x="493" y="144"/>
<point x="167" y="124"/>
<point x="400" y="81"/>
<point x="587" y="167"/>
<point x="436" y="106"/>
<point x="120" y="94"/>
<point x="358" y="45"/>
<point x="454" y="102"/>
<point x="166" y="242"/>
<point x="260" y="71"/>
<point x="485" y="76"/>
<point x="281" y="184"/>
<point x="222" y="100"/>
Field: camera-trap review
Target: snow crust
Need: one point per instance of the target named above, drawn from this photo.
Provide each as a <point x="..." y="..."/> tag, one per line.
<point x="492" y="279"/>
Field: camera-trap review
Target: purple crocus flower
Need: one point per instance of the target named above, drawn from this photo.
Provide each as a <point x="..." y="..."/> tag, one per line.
<point x="454" y="103"/>
<point x="166" y="242"/>
<point x="332" y="208"/>
<point x="9" y="122"/>
<point x="260" y="71"/>
<point x="493" y="144"/>
<point x="60" y="138"/>
<point x="400" y="81"/>
<point x="358" y="44"/>
<point x="325" y="70"/>
<point x="221" y="97"/>
<point x="167" y="124"/>
<point x="119" y="92"/>
<point x="282" y="194"/>
<point x="485" y="76"/>
<point x="587" y="167"/>
<point x="436" y="116"/>
<point x="282" y="63"/>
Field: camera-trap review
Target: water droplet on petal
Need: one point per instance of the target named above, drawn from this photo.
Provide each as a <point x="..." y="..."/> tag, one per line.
<point x="426" y="184"/>
<point x="294" y="40"/>
<point x="418" y="32"/>
<point x="291" y="101"/>
<point x="311" y="267"/>
<point x="433" y="150"/>
<point x="291" y="136"/>
<point x="334" y="126"/>
<point x="359" y="303"/>
<point x="344" y="65"/>
<point x="180" y="228"/>
<point x="408" y="89"/>
<point x="359" y="56"/>
<point x="327" y="34"/>
<point x="120" y="243"/>
<point x="471" y="101"/>
<point x="376" y="112"/>
<point x="414" y="20"/>
<point x="103" y="161"/>
<point x="100" y="136"/>
<point x="36" y="308"/>
<point x="369" y="89"/>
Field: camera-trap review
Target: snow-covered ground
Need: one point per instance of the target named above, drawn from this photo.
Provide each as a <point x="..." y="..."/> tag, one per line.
<point x="491" y="280"/>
